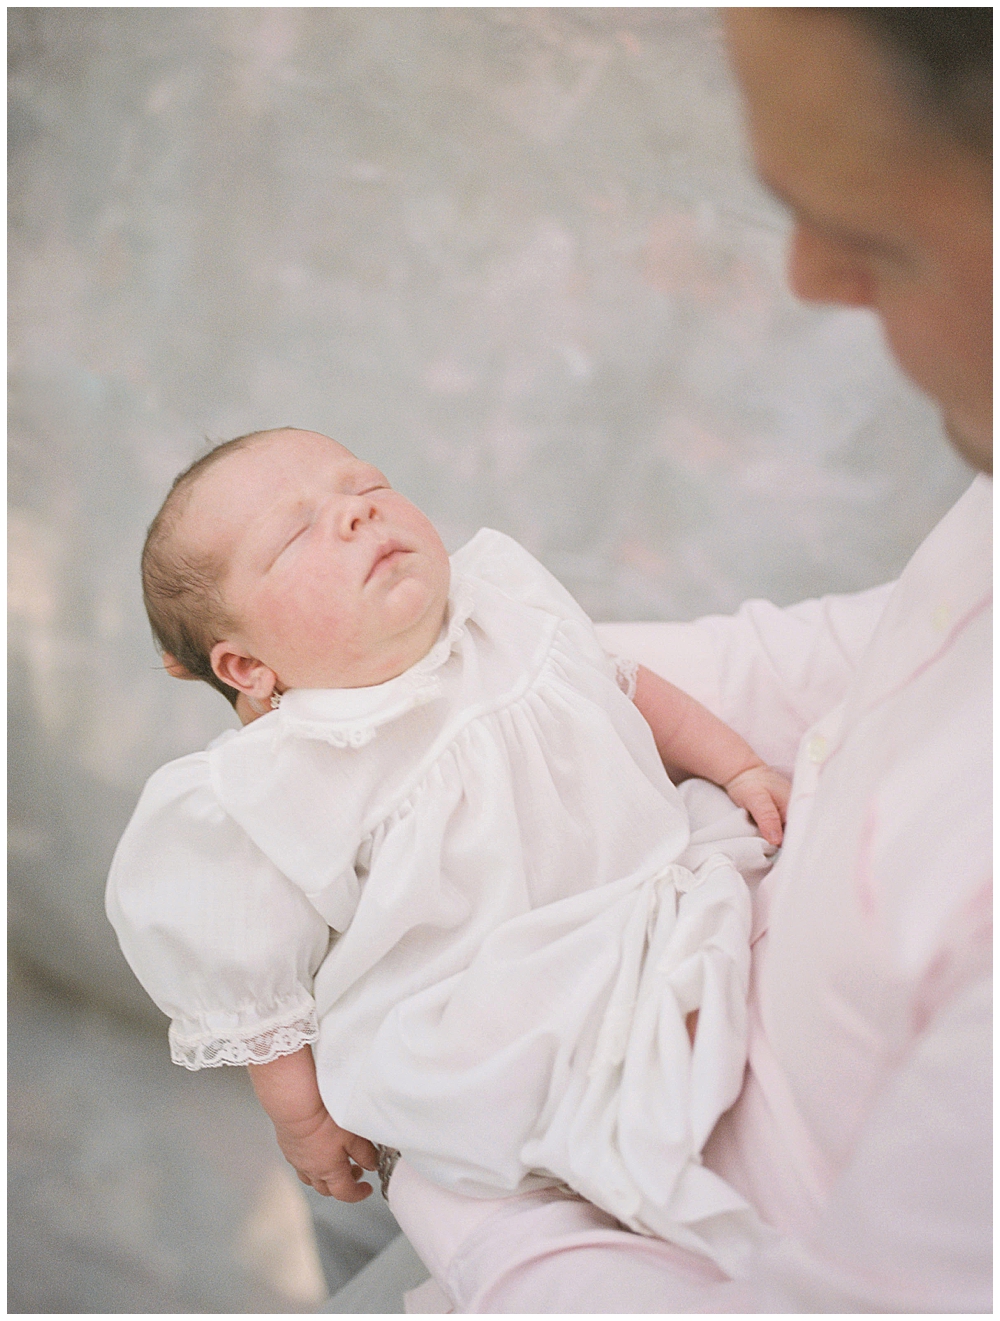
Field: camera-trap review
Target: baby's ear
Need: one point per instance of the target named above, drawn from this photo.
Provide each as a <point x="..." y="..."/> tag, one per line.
<point x="174" y="667"/>
<point x="244" y="673"/>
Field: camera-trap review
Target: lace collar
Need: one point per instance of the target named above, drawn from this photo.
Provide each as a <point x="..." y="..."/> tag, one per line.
<point x="351" y="717"/>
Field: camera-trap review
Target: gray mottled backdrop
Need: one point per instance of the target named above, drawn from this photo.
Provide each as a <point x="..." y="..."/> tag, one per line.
<point x="516" y="257"/>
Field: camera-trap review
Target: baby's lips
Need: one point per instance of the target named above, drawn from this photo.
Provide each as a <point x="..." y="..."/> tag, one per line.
<point x="385" y="549"/>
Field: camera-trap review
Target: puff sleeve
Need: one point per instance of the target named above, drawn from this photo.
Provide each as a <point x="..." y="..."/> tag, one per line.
<point x="223" y="943"/>
<point x="502" y="561"/>
<point x="505" y="564"/>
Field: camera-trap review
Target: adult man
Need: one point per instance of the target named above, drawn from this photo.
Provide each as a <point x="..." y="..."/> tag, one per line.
<point x="862" y="1133"/>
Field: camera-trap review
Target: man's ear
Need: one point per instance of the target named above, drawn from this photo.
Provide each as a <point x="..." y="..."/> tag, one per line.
<point x="243" y="672"/>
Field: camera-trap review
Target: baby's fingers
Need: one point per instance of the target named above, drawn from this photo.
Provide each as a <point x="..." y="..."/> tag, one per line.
<point x="781" y="790"/>
<point x="350" y="1189"/>
<point x="764" y="793"/>
<point x="767" y="815"/>
<point x="360" y="1150"/>
<point x="345" y="1183"/>
<point x="757" y="799"/>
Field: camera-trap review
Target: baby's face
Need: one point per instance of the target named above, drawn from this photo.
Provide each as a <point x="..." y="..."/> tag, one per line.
<point x="334" y="579"/>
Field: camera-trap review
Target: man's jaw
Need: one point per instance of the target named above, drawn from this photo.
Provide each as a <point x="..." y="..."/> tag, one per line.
<point x="974" y="444"/>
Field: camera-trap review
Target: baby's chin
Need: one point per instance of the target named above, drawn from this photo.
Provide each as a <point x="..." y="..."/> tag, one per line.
<point x="401" y="633"/>
<point x="414" y="614"/>
<point x="412" y="601"/>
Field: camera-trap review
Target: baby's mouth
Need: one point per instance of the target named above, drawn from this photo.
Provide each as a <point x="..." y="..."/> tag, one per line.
<point x="387" y="553"/>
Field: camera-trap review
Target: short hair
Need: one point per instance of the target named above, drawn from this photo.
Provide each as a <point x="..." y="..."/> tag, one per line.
<point x="942" y="60"/>
<point x="182" y="591"/>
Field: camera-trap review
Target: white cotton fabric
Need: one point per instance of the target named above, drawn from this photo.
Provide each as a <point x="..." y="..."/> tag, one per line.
<point x="863" y="1133"/>
<point x="479" y="882"/>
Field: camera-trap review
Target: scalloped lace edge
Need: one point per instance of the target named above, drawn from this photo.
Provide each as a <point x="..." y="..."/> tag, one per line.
<point x="251" y="1047"/>
<point x="626" y="675"/>
<point x="355" y="735"/>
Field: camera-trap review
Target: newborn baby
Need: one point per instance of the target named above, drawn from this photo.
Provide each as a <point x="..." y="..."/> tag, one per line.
<point x="447" y="854"/>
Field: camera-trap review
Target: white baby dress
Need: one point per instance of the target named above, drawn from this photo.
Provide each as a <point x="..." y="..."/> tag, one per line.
<point x="476" y="891"/>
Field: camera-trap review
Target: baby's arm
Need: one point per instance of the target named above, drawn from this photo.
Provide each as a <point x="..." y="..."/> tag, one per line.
<point x="691" y="741"/>
<point x="323" y="1155"/>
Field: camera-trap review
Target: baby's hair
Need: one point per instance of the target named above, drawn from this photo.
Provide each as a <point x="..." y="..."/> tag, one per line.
<point x="181" y="590"/>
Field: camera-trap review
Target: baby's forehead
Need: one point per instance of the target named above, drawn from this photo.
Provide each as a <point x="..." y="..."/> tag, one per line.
<point x="308" y="447"/>
<point x="244" y="483"/>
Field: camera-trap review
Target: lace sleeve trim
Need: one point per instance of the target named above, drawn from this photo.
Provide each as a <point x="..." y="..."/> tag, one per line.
<point x="626" y="674"/>
<point x="258" y="1045"/>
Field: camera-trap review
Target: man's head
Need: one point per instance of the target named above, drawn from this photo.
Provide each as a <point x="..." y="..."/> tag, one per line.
<point x="873" y="126"/>
<point x="280" y="560"/>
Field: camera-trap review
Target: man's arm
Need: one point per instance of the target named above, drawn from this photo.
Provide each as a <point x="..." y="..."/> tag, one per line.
<point x="768" y="672"/>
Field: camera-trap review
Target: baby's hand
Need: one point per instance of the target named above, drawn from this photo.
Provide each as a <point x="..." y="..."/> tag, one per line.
<point x="328" y="1158"/>
<point x="764" y="793"/>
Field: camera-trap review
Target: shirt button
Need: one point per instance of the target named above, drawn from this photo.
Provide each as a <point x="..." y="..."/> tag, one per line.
<point x="817" y="748"/>
<point x="940" y="619"/>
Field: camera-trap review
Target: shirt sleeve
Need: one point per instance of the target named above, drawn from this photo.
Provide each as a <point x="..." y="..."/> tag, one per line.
<point x="223" y="943"/>
<point x="907" y="1227"/>
<point x="768" y="672"/>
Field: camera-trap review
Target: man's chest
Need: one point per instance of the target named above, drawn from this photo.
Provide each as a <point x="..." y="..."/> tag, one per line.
<point x="872" y="907"/>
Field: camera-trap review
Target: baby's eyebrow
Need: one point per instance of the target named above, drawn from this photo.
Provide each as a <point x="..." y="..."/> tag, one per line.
<point x="276" y="524"/>
<point x="280" y="514"/>
<point x="369" y="471"/>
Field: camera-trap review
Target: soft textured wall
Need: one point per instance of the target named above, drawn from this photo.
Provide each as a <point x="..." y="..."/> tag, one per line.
<point x="514" y="256"/>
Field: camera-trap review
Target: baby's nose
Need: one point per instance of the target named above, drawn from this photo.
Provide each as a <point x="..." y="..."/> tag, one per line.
<point x="355" y="511"/>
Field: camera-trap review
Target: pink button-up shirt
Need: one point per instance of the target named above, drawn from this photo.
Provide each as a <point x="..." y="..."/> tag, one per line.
<point x="862" y="1134"/>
